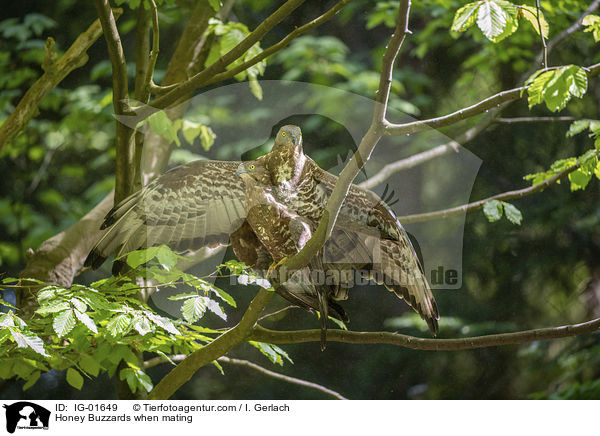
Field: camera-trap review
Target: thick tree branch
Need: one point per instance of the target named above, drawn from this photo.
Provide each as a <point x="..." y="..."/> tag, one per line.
<point x="55" y="72"/>
<point x="510" y="195"/>
<point x="217" y="348"/>
<point x="124" y="165"/>
<point x="294" y="337"/>
<point x="59" y="259"/>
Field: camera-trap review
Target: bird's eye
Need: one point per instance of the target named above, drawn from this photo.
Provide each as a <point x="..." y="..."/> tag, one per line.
<point x="282" y="133"/>
<point x="252" y="166"/>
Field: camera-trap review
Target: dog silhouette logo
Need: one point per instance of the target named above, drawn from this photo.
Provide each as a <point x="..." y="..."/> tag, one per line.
<point x="26" y="415"/>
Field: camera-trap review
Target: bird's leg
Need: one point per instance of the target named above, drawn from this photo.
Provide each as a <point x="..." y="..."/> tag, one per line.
<point x="274" y="267"/>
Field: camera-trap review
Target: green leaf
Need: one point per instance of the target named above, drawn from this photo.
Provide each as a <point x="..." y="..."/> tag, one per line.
<point x="577" y="127"/>
<point x="89" y="364"/>
<point x="207" y="137"/>
<point x="33" y="378"/>
<point x="592" y="24"/>
<point x="166" y="257"/>
<point x="193" y="309"/>
<point x="85" y="319"/>
<point x="579" y="179"/>
<point x="119" y="325"/>
<point x="535" y="92"/>
<point x="64" y="322"/>
<point x="30" y="340"/>
<point x="163" y="322"/>
<point x="273" y="352"/>
<point x="530" y="14"/>
<point x="494" y="16"/>
<point x="215" y="4"/>
<point x="52" y="307"/>
<point x="493" y="210"/>
<point x="224" y="296"/>
<point x="74" y="378"/>
<point x="162" y="125"/>
<point x="139" y="257"/>
<point x="512" y="213"/>
<point x="557" y="87"/>
<point x="142" y="325"/>
<point x="465" y="17"/>
<point x="190" y="130"/>
<point x="255" y="88"/>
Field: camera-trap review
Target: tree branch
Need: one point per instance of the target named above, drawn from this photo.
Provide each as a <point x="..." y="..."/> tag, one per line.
<point x="515" y="120"/>
<point x="362" y="154"/>
<point x="220" y="64"/>
<point x="280" y="45"/>
<point x="55" y="72"/>
<point x="293" y="380"/>
<point x="569" y="31"/>
<point x="519" y="193"/>
<point x="471" y="111"/>
<point x="294" y="337"/>
<point x="427" y="155"/>
<point x="217" y="348"/>
<point x="124" y="165"/>
<point x="285" y="378"/>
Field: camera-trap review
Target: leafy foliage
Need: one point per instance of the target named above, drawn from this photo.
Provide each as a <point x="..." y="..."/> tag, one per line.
<point x="592" y="24"/>
<point x="497" y="19"/>
<point x="556" y="87"/>
<point x="494" y="209"/>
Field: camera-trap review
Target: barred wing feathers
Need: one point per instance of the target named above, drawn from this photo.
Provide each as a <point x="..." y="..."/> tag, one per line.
<point x="191" y="206"/>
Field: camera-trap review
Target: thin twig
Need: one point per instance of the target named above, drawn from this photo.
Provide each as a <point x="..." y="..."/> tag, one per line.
<point x="479" y="204"/>
<point x="545" y="48"/>
<point x="468" y="112"/>
<point x="417" y="159"/>
<point x="569" y="31"/>
<point x="285" y="378"/>
<point x="212" y="351"/>
<point x="246" y="363"/>
<point x="155" y="47"/>
<point x="533" y="119"/>
<point x="268" y="315"/>
<point x="293" y="337"/>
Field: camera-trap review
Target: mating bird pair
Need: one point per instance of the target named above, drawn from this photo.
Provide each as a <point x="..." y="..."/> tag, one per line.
<point x="269" y="217"/>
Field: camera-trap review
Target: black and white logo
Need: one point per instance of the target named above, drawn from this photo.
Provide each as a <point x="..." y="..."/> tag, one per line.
<point x="26" y="415"/>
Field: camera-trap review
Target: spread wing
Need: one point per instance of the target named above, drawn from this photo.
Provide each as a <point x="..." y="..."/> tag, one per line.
<point x="191" y="206"/>
<point x="390" y="257"/>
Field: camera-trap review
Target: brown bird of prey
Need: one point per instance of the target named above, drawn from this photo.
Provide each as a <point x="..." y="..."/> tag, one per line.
<point x="204" y="204"/>
<point x="285" y="240"/>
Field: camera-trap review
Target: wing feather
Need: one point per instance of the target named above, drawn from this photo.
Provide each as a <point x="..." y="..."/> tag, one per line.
<point x="188" y="207"/>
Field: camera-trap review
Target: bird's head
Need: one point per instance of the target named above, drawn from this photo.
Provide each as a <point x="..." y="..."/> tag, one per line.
<point x="253" y="170"/>
<point x="289" y="136"/>
<point x="246" y="169"/>
<point x="286" y="160"/>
